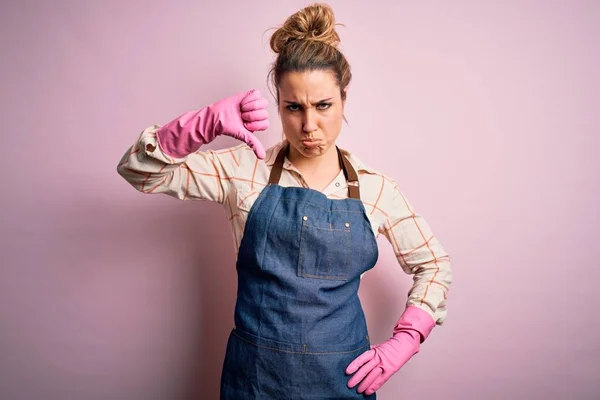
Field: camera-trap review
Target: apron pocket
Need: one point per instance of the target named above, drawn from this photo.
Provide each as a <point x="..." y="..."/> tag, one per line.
<point x="324" y="249"/>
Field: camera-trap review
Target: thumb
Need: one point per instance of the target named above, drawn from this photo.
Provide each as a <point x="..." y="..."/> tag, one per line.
<point x="251" y="140"/>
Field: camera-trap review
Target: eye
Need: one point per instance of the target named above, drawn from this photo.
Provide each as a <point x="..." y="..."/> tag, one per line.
<point x="323" y="106"/>
<point x="293" y="107"/>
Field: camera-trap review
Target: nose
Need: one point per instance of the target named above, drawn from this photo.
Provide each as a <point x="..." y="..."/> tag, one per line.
<point x="310" y="121"/>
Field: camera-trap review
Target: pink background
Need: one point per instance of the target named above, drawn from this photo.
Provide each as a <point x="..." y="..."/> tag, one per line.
<point x="485" y="112"/>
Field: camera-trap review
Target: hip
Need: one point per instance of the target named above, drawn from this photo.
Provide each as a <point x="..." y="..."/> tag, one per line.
<point x="256" y="367"/>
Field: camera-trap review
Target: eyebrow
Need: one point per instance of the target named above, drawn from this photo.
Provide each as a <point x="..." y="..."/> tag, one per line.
<point x="318" y="102"/>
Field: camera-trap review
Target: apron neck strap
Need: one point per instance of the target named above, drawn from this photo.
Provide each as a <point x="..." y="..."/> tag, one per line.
<point x="349" y="171"/>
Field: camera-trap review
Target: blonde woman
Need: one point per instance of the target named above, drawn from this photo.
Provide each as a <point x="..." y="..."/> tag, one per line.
<point x="304" y="215"/>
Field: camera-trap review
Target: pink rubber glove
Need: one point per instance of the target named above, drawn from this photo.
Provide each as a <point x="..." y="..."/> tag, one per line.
<point x="377" y="365"/>
<point x="237" y="116"/>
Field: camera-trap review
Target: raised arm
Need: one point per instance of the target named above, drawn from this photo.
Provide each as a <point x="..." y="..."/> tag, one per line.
<point x="167" y="159"/>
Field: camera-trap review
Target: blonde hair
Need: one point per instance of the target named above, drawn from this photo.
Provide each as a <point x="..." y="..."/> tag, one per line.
<point x="308" y="41"/>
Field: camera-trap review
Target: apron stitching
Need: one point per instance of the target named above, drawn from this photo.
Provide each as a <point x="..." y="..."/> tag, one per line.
<point x="330" y="229"/>
<point x="300" y="249"/>
<point x="299" y="352"/>
<point x="326" y="277"/>
<point x="348" y="248"/>
<point x="262" y="292"/>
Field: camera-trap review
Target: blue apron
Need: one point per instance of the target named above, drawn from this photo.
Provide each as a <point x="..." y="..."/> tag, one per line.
<point x="298" y="319"/>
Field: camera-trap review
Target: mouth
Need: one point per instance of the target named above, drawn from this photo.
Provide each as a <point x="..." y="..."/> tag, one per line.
<point x="310" y="142"/>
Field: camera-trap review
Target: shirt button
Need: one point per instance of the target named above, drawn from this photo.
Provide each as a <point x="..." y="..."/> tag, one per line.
<point x="305" y="218"/>
<point x="337" y="184"/>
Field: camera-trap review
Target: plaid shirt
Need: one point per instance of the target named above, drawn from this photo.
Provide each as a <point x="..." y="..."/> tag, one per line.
<point x="234" y="177"/>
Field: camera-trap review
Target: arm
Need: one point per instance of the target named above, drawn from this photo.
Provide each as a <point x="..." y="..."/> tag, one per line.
<point x="167" y="159"/>
<point x="198" y="176"/>
<point x="420" y="254"/>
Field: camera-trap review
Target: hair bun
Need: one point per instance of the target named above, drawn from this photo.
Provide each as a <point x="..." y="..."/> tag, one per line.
<point x="315" y="22"/>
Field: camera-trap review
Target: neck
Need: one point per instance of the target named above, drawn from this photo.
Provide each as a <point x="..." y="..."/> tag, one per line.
<point x="311" y="166"/>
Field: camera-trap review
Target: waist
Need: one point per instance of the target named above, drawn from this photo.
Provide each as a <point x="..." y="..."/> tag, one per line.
<point x="302" y="348"/>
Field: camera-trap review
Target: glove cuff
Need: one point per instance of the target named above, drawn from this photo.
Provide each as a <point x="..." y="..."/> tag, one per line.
<point x="415" y="319"/>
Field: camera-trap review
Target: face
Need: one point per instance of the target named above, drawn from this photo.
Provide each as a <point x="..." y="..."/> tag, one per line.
<point x="311" y="110"/>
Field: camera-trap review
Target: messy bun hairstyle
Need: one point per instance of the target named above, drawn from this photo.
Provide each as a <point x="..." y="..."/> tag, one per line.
<point x="308" y="41"/>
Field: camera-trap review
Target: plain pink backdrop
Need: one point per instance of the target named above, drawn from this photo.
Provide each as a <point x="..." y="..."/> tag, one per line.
<point x="485" y="112"/>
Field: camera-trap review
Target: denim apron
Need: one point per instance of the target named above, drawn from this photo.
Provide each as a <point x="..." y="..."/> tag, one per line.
<point x="298" y="319"/>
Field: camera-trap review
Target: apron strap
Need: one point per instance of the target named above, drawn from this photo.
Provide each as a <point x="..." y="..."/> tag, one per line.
<point x="351" y="176"/>
<point x="278" y="166"/>
<point x="349" y="171"/>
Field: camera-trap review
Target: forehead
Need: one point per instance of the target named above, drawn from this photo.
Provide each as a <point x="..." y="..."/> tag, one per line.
<point x="308" y="85"/>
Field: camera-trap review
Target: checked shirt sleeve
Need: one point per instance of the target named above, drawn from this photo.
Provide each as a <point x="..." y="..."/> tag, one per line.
<point x="418" y="251"/>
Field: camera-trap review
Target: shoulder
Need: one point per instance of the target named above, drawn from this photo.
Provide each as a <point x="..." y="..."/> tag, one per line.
<point x="378" y="189"/>
<point x="273" y="151"/>
<point x="365" y="172"/>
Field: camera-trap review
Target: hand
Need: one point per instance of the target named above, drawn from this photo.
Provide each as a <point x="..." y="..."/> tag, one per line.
<point x="238" y="116"/>
<point x="374" y="367"/>
<point x="377" y="365"/>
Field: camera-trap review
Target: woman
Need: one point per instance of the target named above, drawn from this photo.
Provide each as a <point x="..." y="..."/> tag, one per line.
<point x="304" y="215"/>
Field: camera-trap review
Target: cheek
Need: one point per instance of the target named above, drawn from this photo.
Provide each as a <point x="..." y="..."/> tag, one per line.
<point x="289" y="122"/>
<point x="332" y="123"/>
